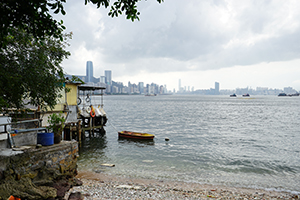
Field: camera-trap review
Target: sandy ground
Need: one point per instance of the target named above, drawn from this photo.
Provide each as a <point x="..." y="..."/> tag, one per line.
<point x="103" y="186"/>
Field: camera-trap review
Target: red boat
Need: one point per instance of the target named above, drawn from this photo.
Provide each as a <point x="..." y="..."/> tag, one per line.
<point x="135" y="135"/>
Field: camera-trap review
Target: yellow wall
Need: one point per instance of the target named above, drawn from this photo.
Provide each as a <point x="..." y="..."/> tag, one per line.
<point x="71" y="97"/>
<point x="72" y="94"/>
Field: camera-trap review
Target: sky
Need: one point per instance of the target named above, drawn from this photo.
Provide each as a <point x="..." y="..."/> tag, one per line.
<point x="239" y="44"/>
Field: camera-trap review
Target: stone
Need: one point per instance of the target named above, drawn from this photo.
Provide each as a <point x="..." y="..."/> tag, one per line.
<point x="62" y="186"/>
<point x="76" y="196"/>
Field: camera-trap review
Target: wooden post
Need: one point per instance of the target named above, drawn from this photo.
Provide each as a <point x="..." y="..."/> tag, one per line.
<point x="90" y="125"/>
<point x="71" y="131"/>
<point x="79" y="132"/>
<point x="93" y="124"/>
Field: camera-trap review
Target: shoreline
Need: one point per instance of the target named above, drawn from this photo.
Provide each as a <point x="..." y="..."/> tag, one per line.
<point x="104" y="186"/>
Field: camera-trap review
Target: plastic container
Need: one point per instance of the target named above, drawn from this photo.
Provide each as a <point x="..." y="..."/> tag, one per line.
<point x="45" y="139"/>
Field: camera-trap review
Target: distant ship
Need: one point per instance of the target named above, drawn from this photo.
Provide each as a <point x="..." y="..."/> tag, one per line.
<point x="233" y="95"/>
<point x="246" y="95"/>
<point x="282" y="94"/>
<point x="296" y="94"/>
<point x="150" y="95"/>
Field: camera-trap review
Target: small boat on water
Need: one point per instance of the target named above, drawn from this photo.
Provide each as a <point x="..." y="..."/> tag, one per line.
<point x="233" y="95"/>
<point x="136" y="135"/>
<point x="282" y="94"/>
<point x="246" y="95"/>
<point x="150" y="95"/>
<point x="292" y="95"/>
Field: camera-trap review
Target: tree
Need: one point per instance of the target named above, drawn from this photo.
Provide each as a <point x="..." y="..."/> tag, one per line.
<point x="30" y="70"/>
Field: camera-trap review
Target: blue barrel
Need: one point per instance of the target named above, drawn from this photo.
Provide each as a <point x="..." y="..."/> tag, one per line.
<point x="45" y="139"/>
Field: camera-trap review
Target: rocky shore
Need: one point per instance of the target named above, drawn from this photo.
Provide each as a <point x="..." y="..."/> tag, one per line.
<point x="103" y="186"/>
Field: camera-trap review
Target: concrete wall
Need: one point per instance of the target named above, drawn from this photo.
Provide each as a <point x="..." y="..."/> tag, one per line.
<point x="36" y="173"/>
<point x="3" y="141"/>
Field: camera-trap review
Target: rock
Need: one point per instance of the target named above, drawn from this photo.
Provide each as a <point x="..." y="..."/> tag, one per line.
<point x="98" y="171"/>
<point x="62" y="186"/>
<point x="77" y="182"/>
<point x="76" y="196"/>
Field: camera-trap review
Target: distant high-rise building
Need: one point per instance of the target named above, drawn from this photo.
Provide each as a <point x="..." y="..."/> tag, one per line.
<point x="102" y="79"/>
<point x="179" y="85"/>
<point x="141" y="87"/>
<point x="89" y="71"/>
<point x="217" y="88"/>
<point x="108" y="79"/>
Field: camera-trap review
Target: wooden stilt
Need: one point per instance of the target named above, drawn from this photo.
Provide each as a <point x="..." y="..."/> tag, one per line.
<point x="90" y="121"/>
<point x="79" y="132"/>
<point x="71" y="132"/>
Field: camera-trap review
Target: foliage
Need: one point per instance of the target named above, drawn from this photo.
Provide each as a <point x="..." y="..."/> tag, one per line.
<point x="32" y="16"/>
<point x="30" y="70"/>
<point x="76" y="79"/>
<point x="56" y="123"/>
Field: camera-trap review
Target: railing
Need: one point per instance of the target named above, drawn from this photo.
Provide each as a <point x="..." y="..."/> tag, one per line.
<point x="19" y="122"/>
<point x="14" y="131"/>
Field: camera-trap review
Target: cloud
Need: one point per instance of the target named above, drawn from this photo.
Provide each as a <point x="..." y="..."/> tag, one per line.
<point x="184" y="36"/>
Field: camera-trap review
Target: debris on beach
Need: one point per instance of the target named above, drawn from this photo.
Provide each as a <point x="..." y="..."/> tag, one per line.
<point x="147" y="161"/>
<point x="107" y="165"/>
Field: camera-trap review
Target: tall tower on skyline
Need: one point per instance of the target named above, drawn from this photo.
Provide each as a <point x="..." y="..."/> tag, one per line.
<point x="89" y="71"/>
<point x="141" y="87"/>
<point x="108" y="78"/>
<point x="217" y="88"/>
<point x="179" y="85"/>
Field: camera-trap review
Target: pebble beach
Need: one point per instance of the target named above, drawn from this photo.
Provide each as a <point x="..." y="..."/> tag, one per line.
<point x="103" y="186"/>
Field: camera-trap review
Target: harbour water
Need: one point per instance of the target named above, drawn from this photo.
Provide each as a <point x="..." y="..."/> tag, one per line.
<point x="241" y="142"/>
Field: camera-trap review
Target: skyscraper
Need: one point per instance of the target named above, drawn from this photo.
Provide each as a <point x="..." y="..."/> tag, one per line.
<point x="89" y="71"/>
<point x="108" y="79"/>
<point x="217" y="88"/>
<point x="102" y="79"/>
<point x="141" y="87"/>
<point x="179" y="85"/>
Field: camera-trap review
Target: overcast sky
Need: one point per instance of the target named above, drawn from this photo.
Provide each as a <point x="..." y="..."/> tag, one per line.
<point x="236" y="43"/>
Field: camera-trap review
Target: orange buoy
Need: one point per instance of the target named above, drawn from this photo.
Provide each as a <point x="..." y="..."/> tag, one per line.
<point x="93" y="113"/>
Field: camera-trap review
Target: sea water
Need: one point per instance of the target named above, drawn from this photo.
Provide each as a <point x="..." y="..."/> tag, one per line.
<point x="249" y="142"/>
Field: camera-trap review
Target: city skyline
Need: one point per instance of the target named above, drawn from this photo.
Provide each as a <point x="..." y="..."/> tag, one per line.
<point x="119" y="87"/>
